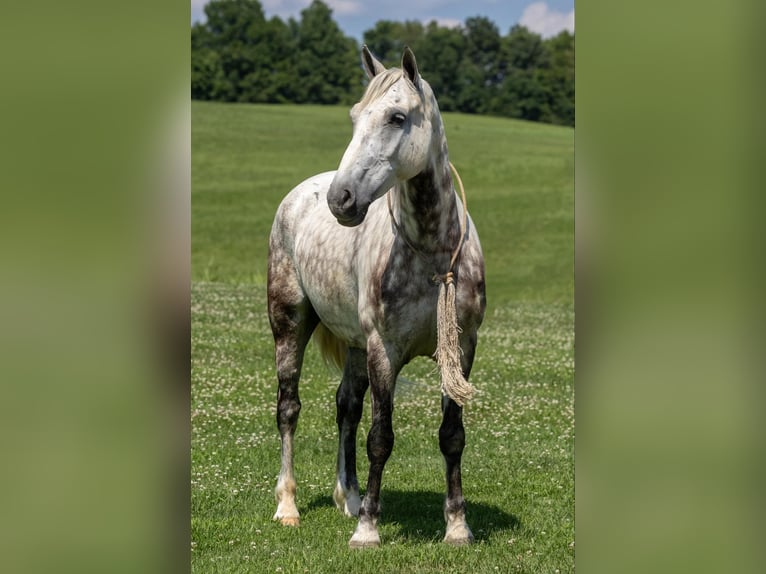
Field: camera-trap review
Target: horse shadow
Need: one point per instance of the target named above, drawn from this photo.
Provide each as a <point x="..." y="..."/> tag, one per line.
<point x="419" y="516"/>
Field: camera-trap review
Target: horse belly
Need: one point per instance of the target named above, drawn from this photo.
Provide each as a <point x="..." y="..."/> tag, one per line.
<point x="334" y="298"/>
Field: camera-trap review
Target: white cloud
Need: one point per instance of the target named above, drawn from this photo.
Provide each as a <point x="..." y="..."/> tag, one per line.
<point x="287" y="8"/>
<point x="444" y="22"/>
<point x="546" y="22"/>
<point x="284" y="8"/>
<point x="344" y="7"/>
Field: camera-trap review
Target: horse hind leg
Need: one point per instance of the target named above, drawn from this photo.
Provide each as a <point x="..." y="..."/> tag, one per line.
<point x="349" y="400"/>
<point x="380" y="439"/>
<point x="292" y="322"/>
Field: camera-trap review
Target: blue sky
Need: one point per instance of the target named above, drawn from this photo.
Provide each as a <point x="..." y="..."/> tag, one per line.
<point x="355" y="16"/>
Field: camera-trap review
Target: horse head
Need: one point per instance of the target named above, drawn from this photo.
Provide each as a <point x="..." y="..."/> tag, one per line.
<point x="391" y="139"/>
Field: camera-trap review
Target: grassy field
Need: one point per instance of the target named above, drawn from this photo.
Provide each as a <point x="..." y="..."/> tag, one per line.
<point x="518" y="467"/>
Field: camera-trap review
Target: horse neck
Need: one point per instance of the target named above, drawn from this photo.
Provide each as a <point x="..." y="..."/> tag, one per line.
<point x="427" y="205"/>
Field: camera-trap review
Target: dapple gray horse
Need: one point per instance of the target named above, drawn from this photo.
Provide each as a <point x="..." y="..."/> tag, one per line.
<point x="365" y="275"/>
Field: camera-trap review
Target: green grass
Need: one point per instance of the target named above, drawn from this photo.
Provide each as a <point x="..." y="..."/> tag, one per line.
<point x="518" y="468"/>
<point x="519" y="180"/>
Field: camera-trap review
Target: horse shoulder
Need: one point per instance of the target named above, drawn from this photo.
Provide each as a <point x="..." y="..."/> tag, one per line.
<point x="304" y="197"/>
<point x="296" y="207"/>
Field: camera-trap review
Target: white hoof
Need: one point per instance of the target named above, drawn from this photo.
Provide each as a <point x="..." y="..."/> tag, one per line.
<point x="287" y="514"/>
<point x="459" y="538"/>
<point x="365" y="536"/>
<point x="288" y="520"/>
<point x="458" y="532"/>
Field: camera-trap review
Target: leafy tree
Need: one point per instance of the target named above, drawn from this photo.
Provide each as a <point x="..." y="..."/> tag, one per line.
<point x="522" y="71"/>
<point x="327" y="62"/>
<point x="388" y="39"/>
<point x="472" y="96"/>
<point x="233" y="52"/>
<point x="478" y="70"/>
<point x="524" y="50"/>
<point x="561" y="78"/>
<point x="272" y="78"/>
<point x="483" y="42"/>
<point x="239" y="55"/>
<point x="440" y="54"/>
<point x="205" y="65"/>
<point x="525" y="96"/>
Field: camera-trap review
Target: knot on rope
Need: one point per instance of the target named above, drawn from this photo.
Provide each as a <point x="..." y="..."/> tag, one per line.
<point x="446" y="279"/>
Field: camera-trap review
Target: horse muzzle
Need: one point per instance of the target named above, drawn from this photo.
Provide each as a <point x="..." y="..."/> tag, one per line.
<point x="343" y="205"/>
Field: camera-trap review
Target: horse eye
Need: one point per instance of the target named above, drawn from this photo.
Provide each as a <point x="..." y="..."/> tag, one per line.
<point x="398" y="118"/>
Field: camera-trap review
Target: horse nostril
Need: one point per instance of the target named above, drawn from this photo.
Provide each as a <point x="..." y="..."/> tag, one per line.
<point x="346" y="199"/>
<point x="342" y="203"/>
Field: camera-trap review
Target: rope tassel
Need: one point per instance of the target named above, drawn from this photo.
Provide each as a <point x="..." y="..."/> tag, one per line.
<point x="448" y="349"/>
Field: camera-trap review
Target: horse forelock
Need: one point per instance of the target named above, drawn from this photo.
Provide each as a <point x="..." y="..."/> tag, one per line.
<point x="381" y="83"/>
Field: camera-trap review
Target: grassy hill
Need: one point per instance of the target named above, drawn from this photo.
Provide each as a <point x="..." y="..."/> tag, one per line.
<point x="519" y="180"/>
<point x="518" y="466"/>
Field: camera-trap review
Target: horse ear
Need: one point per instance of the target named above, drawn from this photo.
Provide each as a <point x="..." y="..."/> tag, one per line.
<point x="371" y="65"/>
<point x="410" y="67"/>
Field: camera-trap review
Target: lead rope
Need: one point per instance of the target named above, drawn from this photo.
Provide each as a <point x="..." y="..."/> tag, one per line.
<point x="453" y="383"/>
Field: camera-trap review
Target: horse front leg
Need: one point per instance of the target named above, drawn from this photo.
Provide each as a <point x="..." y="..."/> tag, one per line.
<point x="349" y="400"/>
<point x="292" y="324"/>
<point x="451" y="444"/>
<point x="380" y="441"/>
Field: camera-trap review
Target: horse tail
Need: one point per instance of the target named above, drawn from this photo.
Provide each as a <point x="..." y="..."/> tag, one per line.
<point x="333" y="350"/>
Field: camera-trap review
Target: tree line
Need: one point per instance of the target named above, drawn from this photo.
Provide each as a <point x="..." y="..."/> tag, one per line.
<point x="238" y="55"/>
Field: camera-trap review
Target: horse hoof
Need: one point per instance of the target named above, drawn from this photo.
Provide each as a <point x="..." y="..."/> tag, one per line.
<point x="373" y="543"/>
<point x="365" y="536"/>
<point x="459" y="536"/>
<point x="458" y="541"/>
<point x="290" y="521"/>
